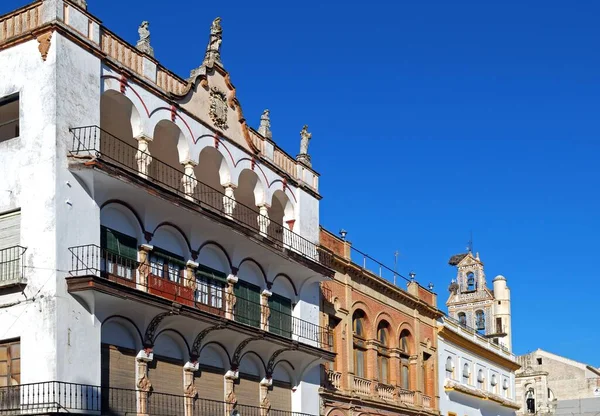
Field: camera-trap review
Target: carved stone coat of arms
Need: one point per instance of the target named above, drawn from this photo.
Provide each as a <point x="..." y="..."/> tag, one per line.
<point x="218" y="108"/>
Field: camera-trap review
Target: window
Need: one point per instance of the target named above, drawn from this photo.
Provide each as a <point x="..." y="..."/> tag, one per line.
<point x="166" y="265"/>
<point x="405" y="376"/>
<point x="247" y="304"/>
<point x="480" y="379"/>
<point x="530" y="400"/>
<point x="10" y="363"/>
<point x="462" y="319"/>
<point x="9" y="117"/>
<point x="466" y="374"/>
<point x="480" y="320"/>
<point x="404" y="341"/>
<point x="539" y="361"/>
<point x="499" y="326"/>
<point x="280" y="320"/>
<point x="449" y="368"/>
<point x="383" y="359"/>
<point x="119" y="257"/>
<point x="494" y="383"/>
<point x="210" y="285"/>
<point x="471" y="282"/>
<point x="358" y="326"/>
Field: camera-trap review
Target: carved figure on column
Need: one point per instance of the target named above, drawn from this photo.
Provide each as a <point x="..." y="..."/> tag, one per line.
<point x="305" y="137"/>
<point x="263" y="220"/>
<point x="143" y="157"/>
<point x="229" y="202"/>
<point x="265" y="124"/>
<point x="143" y="44"/>
<point x="230" y="300"/>
<point x="144" y="267"/>
<point x="213" y="50"/>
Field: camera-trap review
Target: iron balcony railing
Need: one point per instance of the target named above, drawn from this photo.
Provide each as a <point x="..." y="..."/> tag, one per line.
<point x="12" y="265"/>
<point x="60" y="397"/>
<point x="92" y="141"/>
<point x="209" y="296"/>
<point x="474" y="331"/>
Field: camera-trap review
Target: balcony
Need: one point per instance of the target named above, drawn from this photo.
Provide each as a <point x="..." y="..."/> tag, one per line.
<point x="59" y="397"/>
<point x="330" y="379"/>
<point x="107" y="151"/>
<point x="94" y="261"/>
<point x="12" y="266"/>
<point x="362" y="386"/>
<point x="472" y="333"/>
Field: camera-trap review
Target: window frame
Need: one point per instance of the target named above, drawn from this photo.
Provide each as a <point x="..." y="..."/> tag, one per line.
<point x="6" y="100"/>
<point x="8" y="344"/>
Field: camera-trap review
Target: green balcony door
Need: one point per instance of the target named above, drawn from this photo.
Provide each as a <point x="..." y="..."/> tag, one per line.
<point x="280" y="321"/>
<point x="120" y="253"/>
<point x="247" y="305"/>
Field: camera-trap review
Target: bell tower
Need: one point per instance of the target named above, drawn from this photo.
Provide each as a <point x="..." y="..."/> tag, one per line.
<point x="474" y="305"/>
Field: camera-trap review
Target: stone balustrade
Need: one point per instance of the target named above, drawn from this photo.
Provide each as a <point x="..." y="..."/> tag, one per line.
<point x="385" y="391"/>
<point x="362" y="386"/>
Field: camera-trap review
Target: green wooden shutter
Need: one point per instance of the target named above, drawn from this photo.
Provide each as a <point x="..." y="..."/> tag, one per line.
<point x="118" y="243"/>
<point x="247" y="305"/>
<point x="280" y="321"/>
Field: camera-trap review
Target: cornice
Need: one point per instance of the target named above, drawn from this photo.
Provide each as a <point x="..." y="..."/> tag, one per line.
<point x="477" y="349"/>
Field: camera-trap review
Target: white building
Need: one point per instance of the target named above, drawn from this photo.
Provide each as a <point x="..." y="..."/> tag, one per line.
<point x="151" y="242"/>
<point x="551" y="385"/>
<point x="476" y="376"/>
<point x="477" y="367"/>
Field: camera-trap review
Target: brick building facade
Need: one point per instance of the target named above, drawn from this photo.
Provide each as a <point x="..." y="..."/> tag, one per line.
<point x="384" y="338"/>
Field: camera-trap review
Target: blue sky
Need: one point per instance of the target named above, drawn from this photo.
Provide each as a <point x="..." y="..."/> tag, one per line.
<point x="430" y="119"/>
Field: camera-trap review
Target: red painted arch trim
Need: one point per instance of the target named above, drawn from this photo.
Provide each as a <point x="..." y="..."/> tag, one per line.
<point x="132" y="89"/>
<point x="176" y="114"/>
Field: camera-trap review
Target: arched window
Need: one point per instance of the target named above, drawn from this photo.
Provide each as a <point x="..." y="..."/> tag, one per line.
<point x="462" y="319"/>
<point x="466" y="374"/>
<point x="405" y="350"/>
<point x="358" y="329"/>
<point x="480" y="320"/>
<point x="530" y="400"/>
<point x="383" y="357"/>
<point x="450" y="367"/>
<point x="480" y="379"/>
<point x="471" y="281"/>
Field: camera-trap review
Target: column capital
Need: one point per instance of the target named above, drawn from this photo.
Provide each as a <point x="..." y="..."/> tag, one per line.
<point x="189" y="161"/>
<point x="268" y="382"/>
<point x="192" y="264"/>
<point x="146" y="247"/>
<point x="267" y="293"/>
<point x="232" y="375"/>
<point x="229" y="185"/>
<point x="143" y="137"/>
<point x="190" y="366"/>
<point x="145" y="356"/>
<point x="232" y="278"/>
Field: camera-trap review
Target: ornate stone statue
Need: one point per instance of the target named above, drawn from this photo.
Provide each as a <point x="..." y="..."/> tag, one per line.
<point x="213" y="50"/>
<point x="143" y="43"/>
<point x="305" y="137"/>
<point x="81" y="3"/>
<point x="265" y="124"/>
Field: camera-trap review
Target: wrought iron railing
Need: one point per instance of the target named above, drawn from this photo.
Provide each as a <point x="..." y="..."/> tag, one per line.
<point x="60" y="397"/>
<point x="12" y="265"/>
<point x="92" y="260"/>
<point x="475" y="332"/>
<point x="92" y="141"/>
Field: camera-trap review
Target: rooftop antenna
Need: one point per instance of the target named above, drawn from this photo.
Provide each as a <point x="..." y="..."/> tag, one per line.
<point x="396" y="254"/>
<point x="470" y="244"/>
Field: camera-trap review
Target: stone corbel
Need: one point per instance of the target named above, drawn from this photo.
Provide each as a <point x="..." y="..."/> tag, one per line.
<point x="143" y="157"/>
<point x="230" y="298"/>
<point x="144" y="266"/>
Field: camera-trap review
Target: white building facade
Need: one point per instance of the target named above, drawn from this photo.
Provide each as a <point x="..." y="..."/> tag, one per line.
<point x="476" y="377"/>
<point x="157" y="255"/>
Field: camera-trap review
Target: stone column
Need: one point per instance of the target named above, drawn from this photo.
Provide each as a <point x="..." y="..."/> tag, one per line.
<point x="265" y="403"/>
<point x="190" y="274"/>
<point x="188" y="180"/>
<point x="144" y="266"/>
<point x="414" y="376"/>
<point x="143" y="384"/>
<point x="265" y="311"/>
<point x="230" y="298"/>
<point x="394" y="370"/>
<point x="263" y="219"/>
<point x="189" y="387"/>
<point x="230" y="398"/>
<point x="229" y="202"/>
<point x="143" y="157"/>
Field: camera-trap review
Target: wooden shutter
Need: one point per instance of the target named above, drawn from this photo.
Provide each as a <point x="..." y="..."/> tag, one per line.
<point x="166" y="376"/>
<point x="117" y="367"/>
<point x="247" y="305"/>
<point x="210" y="383"/>
<point x="10" y="229"/>
<point x="118" y="243"/>
<point x="247" y="391"/>
<point x="281" y="396"/>
<point x="280" y="321"/>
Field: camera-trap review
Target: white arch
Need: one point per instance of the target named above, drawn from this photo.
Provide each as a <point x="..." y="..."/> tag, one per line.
<point x="249" y="182"/>
<point x="115" y="105"/>
<point x="166" y="130"/>
<point x="119" y="218"/>
<point x="120" y="333"/>
<point x="169" y="239"/>
<point x="169" y="344"/>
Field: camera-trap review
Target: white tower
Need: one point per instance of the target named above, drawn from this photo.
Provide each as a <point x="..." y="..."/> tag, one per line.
<point x="502" y="310"/>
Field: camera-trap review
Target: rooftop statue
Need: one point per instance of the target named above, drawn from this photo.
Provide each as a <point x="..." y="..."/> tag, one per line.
<point x="213" y="50"/>
<point x="303" y="156"/>
<point x="143" y="43"/>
